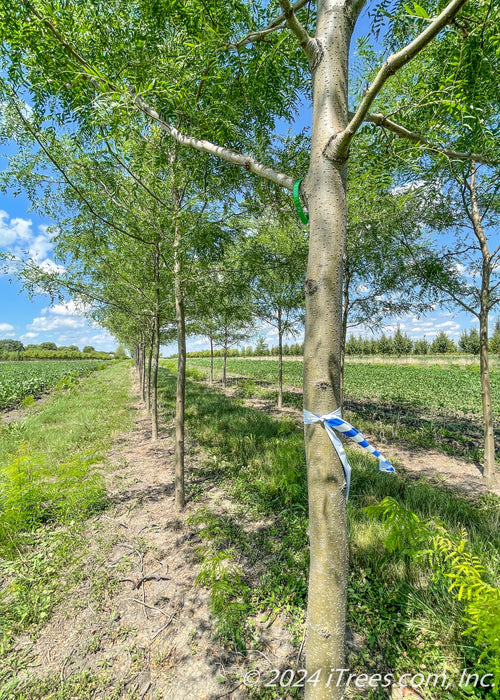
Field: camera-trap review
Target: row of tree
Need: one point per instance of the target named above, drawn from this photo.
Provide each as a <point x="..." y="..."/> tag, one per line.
<point x="399" y="344"/>
<point x="125" y="131"/>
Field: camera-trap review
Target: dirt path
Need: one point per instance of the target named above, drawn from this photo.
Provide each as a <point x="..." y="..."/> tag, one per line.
<point x="138" y="620"/>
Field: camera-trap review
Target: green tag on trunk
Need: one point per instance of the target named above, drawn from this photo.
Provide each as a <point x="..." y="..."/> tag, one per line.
<point x="298" y="206"/>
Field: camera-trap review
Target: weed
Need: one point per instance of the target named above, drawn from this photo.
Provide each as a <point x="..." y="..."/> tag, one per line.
<point x="28" y="402"/>
<point x="246" y="389"/>
<point x="229" y="597"/>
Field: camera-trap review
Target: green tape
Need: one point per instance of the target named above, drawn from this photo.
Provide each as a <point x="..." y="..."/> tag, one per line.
<point x="298" y="206"/>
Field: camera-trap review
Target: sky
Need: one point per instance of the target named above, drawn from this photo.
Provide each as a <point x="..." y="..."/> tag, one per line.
<point x="36" y="320"/>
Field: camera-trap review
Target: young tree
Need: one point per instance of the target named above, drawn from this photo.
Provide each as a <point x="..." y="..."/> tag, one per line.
<point x="274" y="253"/>
<point x="469" y="342"/>
<point x="401" y="343"/>
<point x="495" y="339"/>
<point x="442" y="344"/>
<point x="465" y="65"/>
<point x="421" y="347"/>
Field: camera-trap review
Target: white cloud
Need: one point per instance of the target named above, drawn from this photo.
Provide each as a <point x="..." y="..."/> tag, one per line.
<point x="68" y="308"/>
<point x="15" y="230"/>
<point x="28" y="336"/>
<point x="200" y="341"/>
<point x="19" y="239"/>
<point x="6" y="328"/>
<point x="45" y="323"/>
<point x="39" y="247"/>
<point x="408" y="187"/>
<point x="49" y="265"/>
<point x="451" y="325"/>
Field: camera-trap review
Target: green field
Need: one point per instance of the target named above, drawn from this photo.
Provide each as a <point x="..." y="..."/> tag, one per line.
<point x="453" y="388"/>
<point x="427" y="406"/>
<point x="21" y="379"/>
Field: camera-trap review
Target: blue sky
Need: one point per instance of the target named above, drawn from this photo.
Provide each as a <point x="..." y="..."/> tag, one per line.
<point x="35" y="320"/>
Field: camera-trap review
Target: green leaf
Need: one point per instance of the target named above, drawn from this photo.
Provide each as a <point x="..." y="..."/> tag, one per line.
<point x="420" y="11"/>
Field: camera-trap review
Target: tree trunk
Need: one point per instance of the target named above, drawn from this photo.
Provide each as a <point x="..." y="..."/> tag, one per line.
<point x="326" y="191"/>
<point x="224" y="374"/>
<point x="150" y="360"/>
<point x="489" y="436"/>
<point x="345" y="311"/>
<point x="211" y="360"/>
<point x="280" y="361"/>
<point x="156" y="351"/>
<point x="143" y="370"/>
<point x="181" y="369"/>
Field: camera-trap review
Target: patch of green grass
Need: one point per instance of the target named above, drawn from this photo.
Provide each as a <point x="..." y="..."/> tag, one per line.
<point x="405" y="620"/>
<point x="50" y="482"/>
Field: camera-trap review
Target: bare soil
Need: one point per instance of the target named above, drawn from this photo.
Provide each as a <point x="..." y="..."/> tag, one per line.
<point x="15" y="413"/>
<point x="138" y="619"/>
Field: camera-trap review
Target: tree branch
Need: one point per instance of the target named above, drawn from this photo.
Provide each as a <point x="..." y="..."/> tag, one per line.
<point x="355" y="7"/>
<point x="432" y="280"/>
<point x="309" y="45"/>
<point x="414" y="136"/>
<point x="82" y="197"/>
<point x="230" y="156"/>
<point x="275" y="25"/>
<point x="338" y="146"/>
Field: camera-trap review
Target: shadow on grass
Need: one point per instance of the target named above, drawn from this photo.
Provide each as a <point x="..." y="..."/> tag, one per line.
<point x="421" y="428"/>
<point x="405" y="617"/>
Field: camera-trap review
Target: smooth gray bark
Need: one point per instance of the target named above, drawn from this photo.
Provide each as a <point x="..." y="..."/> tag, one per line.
<point x="181" y="368"/>
<point x="149" y="378"/>
<point x="326" y="193"/>
<point x="489" y="436"/>
<point x="280" y="361"/>
<point x="156" y="349"/>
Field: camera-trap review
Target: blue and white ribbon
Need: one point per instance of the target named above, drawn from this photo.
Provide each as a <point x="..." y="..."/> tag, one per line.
<point x="333" y="421"/>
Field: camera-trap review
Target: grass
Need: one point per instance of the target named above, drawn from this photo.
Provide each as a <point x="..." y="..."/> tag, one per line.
<point x="50" y="482"/>
<point x="427" y="406"/>
<point x="405" y="619"/>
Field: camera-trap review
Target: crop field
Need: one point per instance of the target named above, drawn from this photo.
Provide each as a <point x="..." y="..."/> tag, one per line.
<point x="450" y="387"/>
<point x="21" y="379"/>
<point x="428" y="406"/>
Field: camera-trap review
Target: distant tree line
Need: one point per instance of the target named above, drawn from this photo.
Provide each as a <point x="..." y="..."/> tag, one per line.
<point x="260" y="350"/>
<point x="401" y="345"/>
<point x="15" y="350"/>
<point x="397" y="345"/>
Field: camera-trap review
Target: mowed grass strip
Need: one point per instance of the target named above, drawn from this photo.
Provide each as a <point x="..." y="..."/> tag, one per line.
<point x="254" y="555"/>
<point x="50" y="482"/>
<point x="428" y="406"/>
